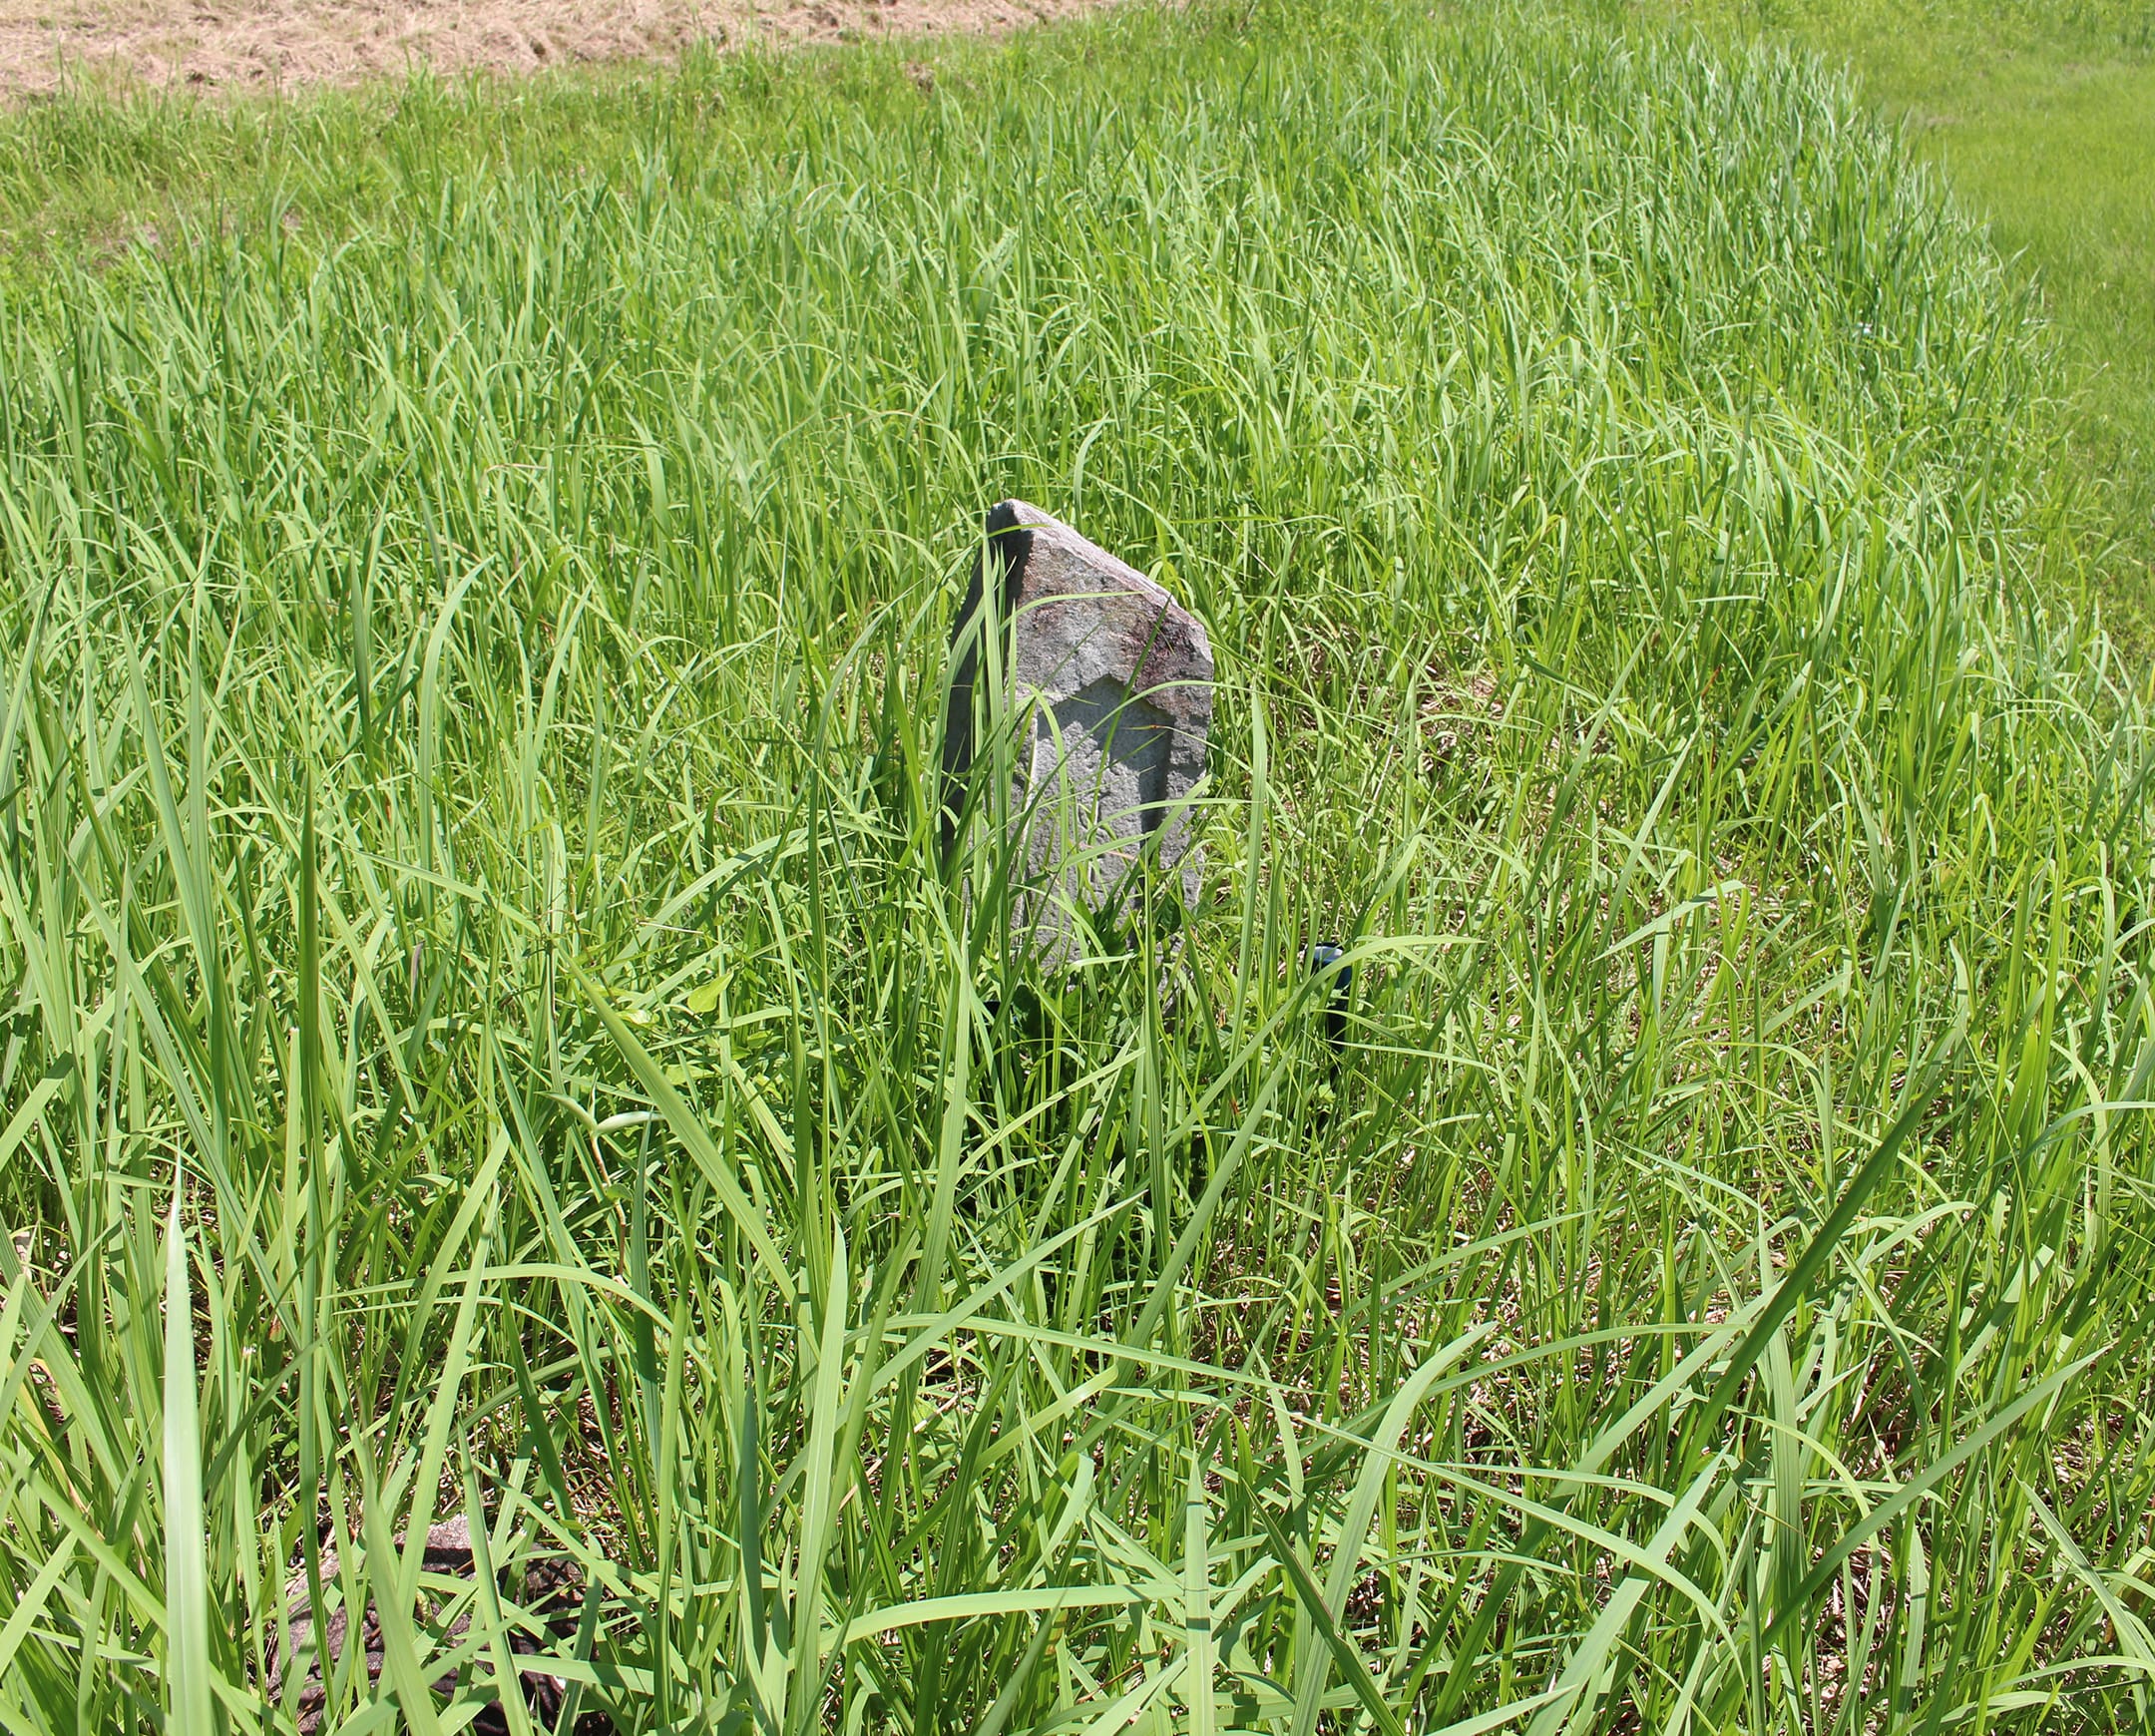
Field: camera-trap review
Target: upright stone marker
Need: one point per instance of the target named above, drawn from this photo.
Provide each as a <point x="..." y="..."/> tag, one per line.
<point x="1109" y="684"/>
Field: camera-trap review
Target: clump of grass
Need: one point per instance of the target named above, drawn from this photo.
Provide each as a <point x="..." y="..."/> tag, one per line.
<point x="2041" y="118"/>
<point x="471" y="827"/>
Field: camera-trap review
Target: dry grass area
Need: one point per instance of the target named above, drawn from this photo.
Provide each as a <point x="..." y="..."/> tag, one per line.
<point x="263" y="44"/>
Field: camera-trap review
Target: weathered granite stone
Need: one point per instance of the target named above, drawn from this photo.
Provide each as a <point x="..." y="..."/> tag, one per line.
<point x="1107" y="686"/>
<point x="549" y="1588"/>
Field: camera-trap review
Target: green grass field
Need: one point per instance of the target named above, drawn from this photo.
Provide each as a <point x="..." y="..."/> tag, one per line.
<point x="487" y="1030"/>
<point x="2043" y="118"/>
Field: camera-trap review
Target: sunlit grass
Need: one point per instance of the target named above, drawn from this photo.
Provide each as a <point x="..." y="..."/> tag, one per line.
<point x="474" y="661"/>
<point x="2041" y="118"/>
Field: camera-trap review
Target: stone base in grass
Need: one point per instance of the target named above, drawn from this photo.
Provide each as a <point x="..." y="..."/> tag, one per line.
<point x="549" y="1588"/>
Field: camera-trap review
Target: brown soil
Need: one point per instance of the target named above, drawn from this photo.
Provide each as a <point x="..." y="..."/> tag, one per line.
<point x="272" y="44"/>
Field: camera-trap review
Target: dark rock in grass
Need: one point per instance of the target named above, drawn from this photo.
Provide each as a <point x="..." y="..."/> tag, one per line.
<point x="1325" y="963"/>
<point x="1108" y="695"/>
<point x="546" y="1589"/>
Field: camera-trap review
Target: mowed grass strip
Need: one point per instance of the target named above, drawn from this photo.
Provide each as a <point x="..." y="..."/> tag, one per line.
<point x="473" y="675"/>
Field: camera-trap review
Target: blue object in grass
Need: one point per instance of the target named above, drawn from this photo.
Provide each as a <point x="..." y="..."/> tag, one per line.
<point x="1324" y="959"/>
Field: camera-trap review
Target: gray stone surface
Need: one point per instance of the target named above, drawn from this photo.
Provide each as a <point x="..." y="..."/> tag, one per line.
<point x="1107" y="689"/>
<point x="548" y="1589"/>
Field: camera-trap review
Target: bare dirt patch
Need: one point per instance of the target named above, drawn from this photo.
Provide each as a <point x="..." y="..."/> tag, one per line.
<point x="272" y="44"/>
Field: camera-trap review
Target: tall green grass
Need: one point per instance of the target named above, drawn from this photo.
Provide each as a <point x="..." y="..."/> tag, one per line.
<point x="2042" y="120"/>
<point x="471" y="837"/>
